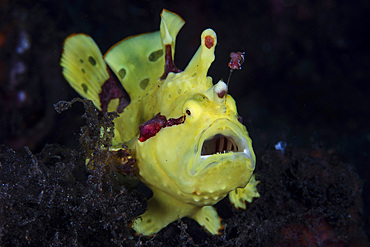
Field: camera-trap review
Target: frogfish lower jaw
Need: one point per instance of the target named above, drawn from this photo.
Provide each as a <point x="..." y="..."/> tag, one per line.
<point x="221" y="147"/>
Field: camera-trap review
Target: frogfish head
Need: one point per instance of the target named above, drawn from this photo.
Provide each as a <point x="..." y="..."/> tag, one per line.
<point x="208" y="155"/>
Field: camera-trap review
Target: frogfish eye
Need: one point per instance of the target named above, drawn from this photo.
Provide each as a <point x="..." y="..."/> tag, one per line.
<point x="188" y="112"/>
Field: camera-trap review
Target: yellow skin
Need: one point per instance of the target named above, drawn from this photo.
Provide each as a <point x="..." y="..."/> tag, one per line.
<point x="184" y="165"/>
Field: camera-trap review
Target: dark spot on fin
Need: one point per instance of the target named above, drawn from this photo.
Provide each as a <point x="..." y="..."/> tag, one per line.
<point x="155" y="55"/>
<point x="92" y="61"/>
<point x="144" y="83"/>
<point x="122" y="73"/>
<point x="169" y="65"/>
<point x="151" y="127"/>
<point x="84" y="87"/>
<point x="113" y="90"/>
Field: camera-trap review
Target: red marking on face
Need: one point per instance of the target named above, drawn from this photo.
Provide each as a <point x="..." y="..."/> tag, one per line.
<point x="209" y="41"/>
<point x="237" y="59"/>
<point x="151" y="127"/>
<point x="109" y="91"/>
<point x="175" y="121"/>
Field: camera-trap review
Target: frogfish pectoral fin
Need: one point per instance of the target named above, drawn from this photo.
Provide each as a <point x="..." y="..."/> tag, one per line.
<point x="239" y="196"/>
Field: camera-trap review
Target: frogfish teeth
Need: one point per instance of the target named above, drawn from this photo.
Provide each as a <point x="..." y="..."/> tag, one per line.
<point x="190" y="148"/>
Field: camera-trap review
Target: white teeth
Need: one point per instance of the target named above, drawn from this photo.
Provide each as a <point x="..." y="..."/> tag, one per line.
<point x="246" y="153"/>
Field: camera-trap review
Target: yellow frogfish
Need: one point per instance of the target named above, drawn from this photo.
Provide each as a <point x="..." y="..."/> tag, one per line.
<point x="190" y="146"/>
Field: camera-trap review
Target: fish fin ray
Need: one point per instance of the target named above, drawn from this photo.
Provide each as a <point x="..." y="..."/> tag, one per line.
<point x="138" y="61"/>
<point x="84" y="67"/>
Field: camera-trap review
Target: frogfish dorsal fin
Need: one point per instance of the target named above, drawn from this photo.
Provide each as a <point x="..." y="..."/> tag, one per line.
<point x="84" y="67"/>
<point x="205" y="55"/>
<point x="139" y="60"/>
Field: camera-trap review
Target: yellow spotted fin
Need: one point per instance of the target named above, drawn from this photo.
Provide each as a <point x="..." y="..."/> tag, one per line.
<point x="84" y="67"/>
<point x="138" y="61"/>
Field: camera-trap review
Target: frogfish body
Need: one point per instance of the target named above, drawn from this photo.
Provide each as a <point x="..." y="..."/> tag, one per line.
<point x="190" y="148"/>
